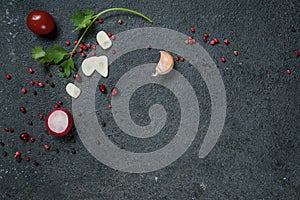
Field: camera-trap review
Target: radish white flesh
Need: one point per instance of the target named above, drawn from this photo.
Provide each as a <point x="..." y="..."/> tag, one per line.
<point x="100" y="64"/>
<point x="73" y="90"/>
<point x="58" y="121"/>
<point x="103" y="40"/>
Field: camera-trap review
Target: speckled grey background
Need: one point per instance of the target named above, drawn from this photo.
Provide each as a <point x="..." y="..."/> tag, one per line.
<point x="257" y="155"/>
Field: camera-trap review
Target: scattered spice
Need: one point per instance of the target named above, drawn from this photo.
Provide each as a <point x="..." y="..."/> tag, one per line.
<point x="32" y="139"/>
<point x="102" y="88"/>
<point x="47" y="146"/>
<point x="30" y="70"/>
<point x="114" y="91"/>
<point x="4" y="153"/>
<point x="120" y="21"/>
<point x="226" y="41"/>
<point x="8" y="77"/>
<point x="67" y="42"/>
<point x="41" y="116"/>
<point x="23" y="110"/>
<point x="24" y="136"/>
<point x="23" y="90"/>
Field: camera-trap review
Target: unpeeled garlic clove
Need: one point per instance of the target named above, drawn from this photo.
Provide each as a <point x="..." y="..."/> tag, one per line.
<point x="103" y="40"/>
<point x="73" y="90"/>
<point x="100" y="64"/>
<point x="165" y="64"/>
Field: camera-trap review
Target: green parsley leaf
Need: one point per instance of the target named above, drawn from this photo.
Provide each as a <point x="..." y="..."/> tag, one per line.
<point x="37" y="52"/>
<point x="67" y="65"/>
<point x="82" y="19"/>
<point x="56" y="54"/>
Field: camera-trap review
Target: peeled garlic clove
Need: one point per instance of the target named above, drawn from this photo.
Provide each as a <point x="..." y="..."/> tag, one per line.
<point x="100" y="64"/>
<point x="103" y="40"/>
<point x="165" y="64"/>
<point x="72" y="90"/>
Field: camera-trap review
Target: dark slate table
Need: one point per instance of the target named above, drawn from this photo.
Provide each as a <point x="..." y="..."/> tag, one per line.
<point x="257" y="155"/>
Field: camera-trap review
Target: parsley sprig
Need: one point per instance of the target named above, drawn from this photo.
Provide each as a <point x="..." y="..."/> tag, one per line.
<point x="58" y="55"/>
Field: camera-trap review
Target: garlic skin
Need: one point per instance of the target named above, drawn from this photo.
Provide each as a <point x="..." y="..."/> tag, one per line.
<point x="165" y="64"/>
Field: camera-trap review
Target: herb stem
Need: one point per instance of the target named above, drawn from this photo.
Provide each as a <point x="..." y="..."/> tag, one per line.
<point x="103" y="12"/>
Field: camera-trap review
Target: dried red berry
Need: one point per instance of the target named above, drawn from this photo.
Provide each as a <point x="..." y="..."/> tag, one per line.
<point x="297" y="53"/>
<point x="204" y="39"/>
<point x="114" y="91"/>
<point x="24" y="136"/>
<point x="88" y="45"/>
<point x="4" y="153"/>
<point x="27" y="159"/>
<point x="223" y="59"/>
<point x="181" y="59"/>
<point x="47" y="146"/>
<point x="17" y="154"/>
<point x="30" y="123"/>
<point x="75" y="42"/>
<point x="60" y="103"/>
<point x="293" y="29"/>
<point x="212" y="42"/>
<point x="80" y="50"/>
<point x="149" y="46"/>
<point x="40" y="84"/>
<point x="186" y="41"/>
<point x="23" y="90"/>
<point x="100" y="20"/>
<point x="216" y="40"/>
<point x="67" y="42"/>
<point x="74" y="52"/>
<point x="102" y="88"/>
<point x="30" y="70"/>
<point x="93" y="53"/>
<point x="7" y="76"/>
<point x="226" y="41"/>
<point x="94" y="46"/>
<point x="83" y="55"/>
<point x="56" y="106"/>
<point x="192" y="29"/>
<point x="113" y="37"/>
<point x="32" y="139"/>
<point x="109" y="106"/>
<point x="191" y="37"/>
<point x="41" y="116"/>
<point x="206" y="35"/>
<point x="46" y="80"/>
<point x="31" y="82"/>
<point x="85" y="48"/>
<point x="120" y="21"/>
<point x="109" y="34"/>
<point x="22" y="109"/>
<point x="176" y="58"/>
<point x="235" y="52"/>
<point x="113" y="51"/>
<point x="6" y="129"/>
<point x="288" y="71"/>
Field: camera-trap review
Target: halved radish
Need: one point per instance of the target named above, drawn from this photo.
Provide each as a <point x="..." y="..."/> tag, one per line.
<point x="58" y="122"/>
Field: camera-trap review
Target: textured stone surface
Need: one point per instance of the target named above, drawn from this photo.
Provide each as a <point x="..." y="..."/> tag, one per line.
<point x="257" y="155"/>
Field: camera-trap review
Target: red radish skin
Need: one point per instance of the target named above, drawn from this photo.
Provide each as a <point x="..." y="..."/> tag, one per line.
<point x="66" y="127"/>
